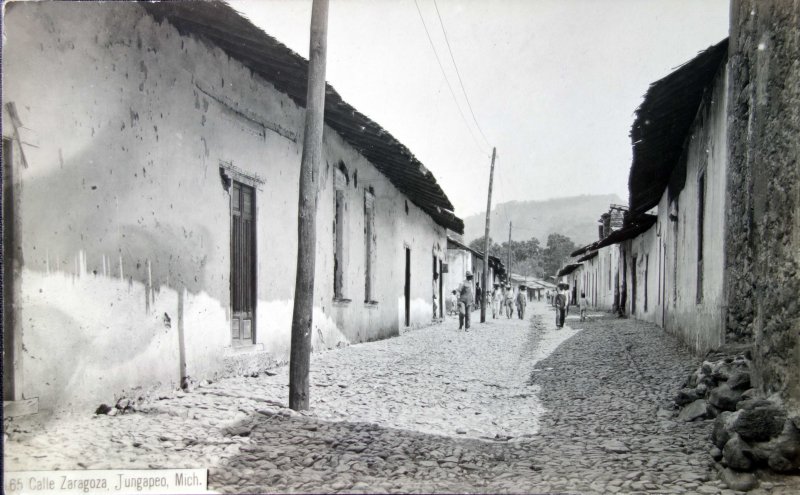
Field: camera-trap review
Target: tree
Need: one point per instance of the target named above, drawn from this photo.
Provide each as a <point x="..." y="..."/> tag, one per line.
<point x="526" y="256"/>
<point x="556" y="253"/>
<point x="477" y="245"/>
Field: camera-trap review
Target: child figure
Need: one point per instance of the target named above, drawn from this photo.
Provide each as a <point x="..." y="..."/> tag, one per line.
<point x="584" y="306"/>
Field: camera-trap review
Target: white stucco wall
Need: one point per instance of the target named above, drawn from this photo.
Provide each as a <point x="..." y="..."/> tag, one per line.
<point x="459" y="262"/>
<point x="644" y="248"/>
<point x="672" y="243"/>
<point x="700" y="322"/>
<point x="124" y="222"/>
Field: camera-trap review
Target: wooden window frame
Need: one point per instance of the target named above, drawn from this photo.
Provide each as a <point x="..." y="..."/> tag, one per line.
<point x="340" y="182"/>
<point x="701" y="213"/>
<point x="231" y="174"/>
<point x="370" y="241"/>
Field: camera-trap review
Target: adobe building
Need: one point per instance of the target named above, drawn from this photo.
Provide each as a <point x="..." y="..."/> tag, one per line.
<point x="151" y="168"/>
<point x="710" y="245"/>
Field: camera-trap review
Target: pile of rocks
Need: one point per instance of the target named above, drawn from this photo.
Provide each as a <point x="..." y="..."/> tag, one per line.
<point x="750" y="432"/>
<point x="715" y="387"/>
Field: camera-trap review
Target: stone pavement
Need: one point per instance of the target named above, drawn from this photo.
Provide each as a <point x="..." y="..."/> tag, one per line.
<point x="503" y="408"/>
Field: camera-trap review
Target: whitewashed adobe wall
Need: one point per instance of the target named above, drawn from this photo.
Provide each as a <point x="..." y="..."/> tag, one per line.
<point x="459" y="262"/>
<point x="124" y="223"/>
<point x="699" y="321"/>
<point x="644" y="297"/>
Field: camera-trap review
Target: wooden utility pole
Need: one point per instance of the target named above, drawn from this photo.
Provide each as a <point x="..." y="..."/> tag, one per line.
<point x="307" y="214"/>
<point x="509" y="252"/>
<point x="485" y="277"/>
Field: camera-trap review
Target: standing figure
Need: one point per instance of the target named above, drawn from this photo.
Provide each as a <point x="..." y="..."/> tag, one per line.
<point x="560" y="303"/>
<point x="584" y="305"/>
<point x="497" y="300"/>
<point x="478" y="294"/>
<point x="452" y="303"/>
<point x="509" y="301"/>
<point x="522" y="301"/>
<point x="435" y="295"/>
<point x="466" y="300"/>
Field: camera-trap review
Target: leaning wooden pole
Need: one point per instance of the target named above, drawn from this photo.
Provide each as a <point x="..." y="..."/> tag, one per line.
<point x="509" y="252"/>
<point x="307" y="211"/>
<point x="485" y="281"/>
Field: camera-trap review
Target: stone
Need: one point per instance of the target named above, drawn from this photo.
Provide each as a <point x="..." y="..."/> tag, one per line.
<point x="113" y="412"/>
<point x="737" y="454"/>
<point x="724" y="398"/>
<point x="715" y="453"/>
<point x="123" y="403"/>
<point x="760" y="423"/>
<point x="615" y="447"/>
<point x="753" y="403"/>
<point x="723" y="425"/>
<point x="721" y="372"/>
<point x="696" y="410"/>
<point x="102" y="409"/>
<point x="750" y="393"/>
<point x="782" y="453"/>
<point x="741" y="482"/>
<point x="739" y="380"/>
<point x="664" y="413"/>
<point x="686" y="396"/>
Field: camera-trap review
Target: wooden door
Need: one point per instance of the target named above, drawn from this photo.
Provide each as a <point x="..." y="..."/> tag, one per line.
<point x="243" y="264"/>
<point x="407" y="288"/>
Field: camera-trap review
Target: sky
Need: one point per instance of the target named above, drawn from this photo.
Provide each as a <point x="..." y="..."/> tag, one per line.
<point x="552" y="84"/>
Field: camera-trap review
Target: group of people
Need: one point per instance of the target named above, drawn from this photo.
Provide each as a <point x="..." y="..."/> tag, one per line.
<point x="503" y="300"/>
<point x="560" y="301"/>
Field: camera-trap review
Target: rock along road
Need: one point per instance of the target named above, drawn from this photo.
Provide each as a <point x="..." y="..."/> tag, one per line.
<point x="511" y="406"/>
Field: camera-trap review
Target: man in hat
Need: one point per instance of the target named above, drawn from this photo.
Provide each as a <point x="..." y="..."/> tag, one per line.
<point x="466" y="300"/>
<point x="522" y="301"/>
<point x="509" y="301"/>
<point x="560" y="303"/>
<point x="497" y="300"/>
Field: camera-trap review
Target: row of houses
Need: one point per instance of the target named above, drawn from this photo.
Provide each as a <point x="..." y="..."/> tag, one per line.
<point x="708" y="247"/>
<point x="150" y="199"/>
<point x="462" y="259"/>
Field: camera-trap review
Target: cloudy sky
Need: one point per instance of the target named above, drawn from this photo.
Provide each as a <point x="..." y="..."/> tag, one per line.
<point x="553" y="84"/>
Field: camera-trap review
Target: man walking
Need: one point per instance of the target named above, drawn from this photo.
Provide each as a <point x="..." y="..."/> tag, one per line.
<point x="465" y="302"/>
<point x="509" y="302"/>
<point x="497" y="300"/>
<point x="522" y="301"/>
<point x="560" y="304"/>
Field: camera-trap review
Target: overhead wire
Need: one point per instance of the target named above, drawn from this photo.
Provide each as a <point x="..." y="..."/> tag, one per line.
<point x="449" y="86"/>
<point x="458" y="73"/>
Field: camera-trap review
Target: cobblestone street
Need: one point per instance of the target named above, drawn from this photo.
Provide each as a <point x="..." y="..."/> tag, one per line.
<point x="511" y="406"/>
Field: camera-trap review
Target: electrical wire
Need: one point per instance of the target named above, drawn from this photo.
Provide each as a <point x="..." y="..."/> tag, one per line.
<point x="460" y="81"/>
<point x="449" y="86"/>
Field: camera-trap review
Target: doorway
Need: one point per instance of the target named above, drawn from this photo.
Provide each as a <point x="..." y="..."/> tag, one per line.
<point x="407" y="288"/>
<point x="441" y="290"/>
<point x="633" y="286"/>
<point x="243" y="264"/>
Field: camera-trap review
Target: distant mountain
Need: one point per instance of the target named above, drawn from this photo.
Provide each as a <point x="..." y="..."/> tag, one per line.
<point x="575" y="217"/>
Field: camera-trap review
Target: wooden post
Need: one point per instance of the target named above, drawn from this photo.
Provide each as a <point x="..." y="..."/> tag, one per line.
<point x="486" y="242"/>
<point x="509" y="253"/>
<point x="307" y="211"/>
